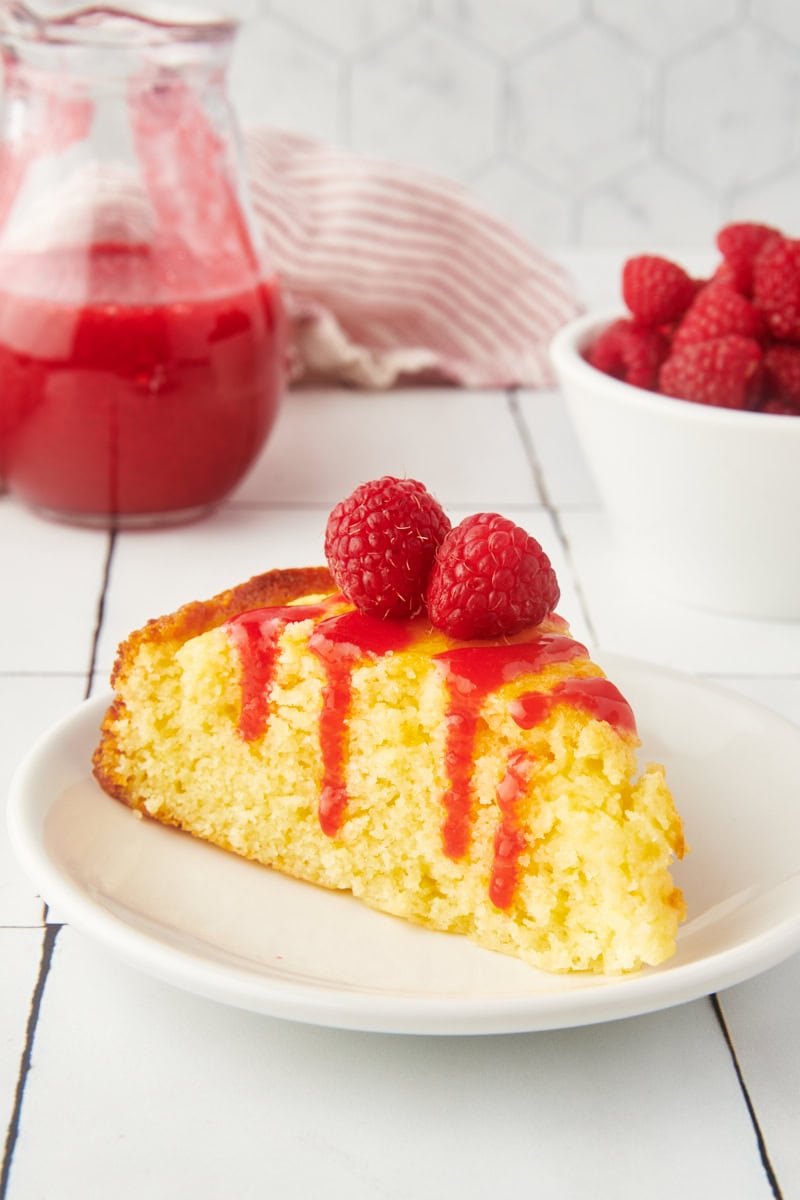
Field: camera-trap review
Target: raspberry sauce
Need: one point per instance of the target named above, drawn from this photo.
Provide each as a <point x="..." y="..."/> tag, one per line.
<point x="341" y="643"/>
<point x="509" y="840"/>
<point x="596" y="696"/>
<point x="255" y="635"/>
<point x="471" y="673"/>
<point x="344" y="641"/>
<point x="133" y="383"/>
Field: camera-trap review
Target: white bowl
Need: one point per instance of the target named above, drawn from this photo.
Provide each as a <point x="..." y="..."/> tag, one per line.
<point x="704" y="502"/>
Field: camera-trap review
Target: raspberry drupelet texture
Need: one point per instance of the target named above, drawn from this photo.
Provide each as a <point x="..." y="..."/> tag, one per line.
<point x="782" y="379"/>
<point x="490" y="579"/>
<point x="720" y="372"/>
<point x="380" y="543"/>
<point x="716" y="311"/>
<point x="740" y="243"/>
<point x="656" y="290"/>
<point x="729" y="341"/>
<point x="776" y="287"/>
<point x="630" y="352"/>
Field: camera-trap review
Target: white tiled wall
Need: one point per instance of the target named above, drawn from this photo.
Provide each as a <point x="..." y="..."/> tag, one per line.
<point x="591" y="122"/>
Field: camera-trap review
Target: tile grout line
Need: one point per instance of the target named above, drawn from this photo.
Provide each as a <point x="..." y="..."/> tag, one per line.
<point x="538" y="478"/>
<point x="50" y="930"/>
<point x="38" y="673"/>
<point x="50" y="933"/>
<point x="100" y="614"/>
<point x="769" y="1170"/>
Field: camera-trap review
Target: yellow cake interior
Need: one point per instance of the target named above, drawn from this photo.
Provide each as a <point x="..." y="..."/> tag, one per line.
<point x="592" y="890"/>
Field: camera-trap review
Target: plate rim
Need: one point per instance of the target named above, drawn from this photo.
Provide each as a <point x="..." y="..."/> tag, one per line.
<point x="614" y="998"/>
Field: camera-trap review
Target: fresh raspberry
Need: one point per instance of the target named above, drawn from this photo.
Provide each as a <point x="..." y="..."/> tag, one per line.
<point x="716" y="311"/>
<point x="720" y="372"/>
<point x="781" y="384"/>
<point x="630" y="352"/>
<point x="726" y="275"/>
<point x="656" y="290"/>
<point x="739" y="243"/>
<point x="776" y="287"/>
<point x="380" y="545"/>
<point x="780" y="408"/>
<point x="490" y="579"/>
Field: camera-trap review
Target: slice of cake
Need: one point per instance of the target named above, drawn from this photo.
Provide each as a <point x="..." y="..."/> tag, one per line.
<point x="485" y="786"/>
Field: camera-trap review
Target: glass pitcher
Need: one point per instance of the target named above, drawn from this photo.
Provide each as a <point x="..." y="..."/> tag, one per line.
<point x="141" y="333"/>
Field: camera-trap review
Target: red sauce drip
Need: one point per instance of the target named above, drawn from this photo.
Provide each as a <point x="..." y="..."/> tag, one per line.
<point x="134" y="381"/>
<point x="600" y="698"/>
<point x="341" y="643"/>
<point x="596" y="696"/>
<point x="255" y="635"/>
<point x="471" y="672"/>
<point x="531" y="709"/>
<point x="509" y="840"/>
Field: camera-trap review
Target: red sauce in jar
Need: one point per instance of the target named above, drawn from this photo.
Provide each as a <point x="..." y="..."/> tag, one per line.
<point x="132" y="382"/>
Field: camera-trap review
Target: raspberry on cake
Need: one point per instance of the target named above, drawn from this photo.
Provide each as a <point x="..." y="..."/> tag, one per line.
<point x="380" y="544"/>
<point x="486" y="787"/>
<point x="490" y="578"/>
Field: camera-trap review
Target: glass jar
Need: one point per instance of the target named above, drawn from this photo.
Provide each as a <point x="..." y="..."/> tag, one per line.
<point x="141" y="333"/>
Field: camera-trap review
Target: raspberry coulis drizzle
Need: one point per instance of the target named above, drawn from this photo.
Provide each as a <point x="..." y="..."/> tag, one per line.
<point x="255" y="635"/>
<point x="344" y="641"/>
<point x="471" y="673"/>
<point x="596" y="695"/>
<point x="509" y="840"/>
<point x="341" y="644"/>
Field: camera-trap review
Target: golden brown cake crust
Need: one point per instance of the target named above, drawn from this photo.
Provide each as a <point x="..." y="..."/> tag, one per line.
<point x="272" y="588"/>
<point x="198" y="616"/>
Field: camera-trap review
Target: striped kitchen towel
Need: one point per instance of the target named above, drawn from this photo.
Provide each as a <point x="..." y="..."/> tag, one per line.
<point x="391" y="275"/>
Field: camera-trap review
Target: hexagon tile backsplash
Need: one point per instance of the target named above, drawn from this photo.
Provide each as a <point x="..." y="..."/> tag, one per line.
<point x="584" y="122"/>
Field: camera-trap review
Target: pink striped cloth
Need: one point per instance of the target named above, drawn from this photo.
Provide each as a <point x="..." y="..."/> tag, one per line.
<point x="391" y="275"/>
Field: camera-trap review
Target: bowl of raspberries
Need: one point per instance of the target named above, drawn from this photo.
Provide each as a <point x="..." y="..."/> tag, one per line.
<point x="686" y="403"/>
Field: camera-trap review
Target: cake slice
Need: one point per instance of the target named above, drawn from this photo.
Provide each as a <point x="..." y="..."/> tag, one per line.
<point x="486" y="787"/>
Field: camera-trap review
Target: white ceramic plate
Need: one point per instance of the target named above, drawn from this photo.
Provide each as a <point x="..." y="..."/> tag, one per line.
<point x="220" y="927"/>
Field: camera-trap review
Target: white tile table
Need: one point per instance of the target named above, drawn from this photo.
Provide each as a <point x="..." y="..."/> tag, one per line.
<point x="116" y="1086"/>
